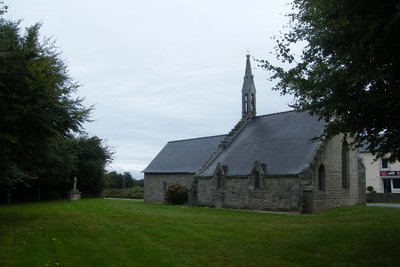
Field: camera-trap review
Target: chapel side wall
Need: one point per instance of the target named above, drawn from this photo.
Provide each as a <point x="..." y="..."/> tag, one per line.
<point x="156" y="184"/>
<point x="275" y="194"/>
<point x="330" y="154"/>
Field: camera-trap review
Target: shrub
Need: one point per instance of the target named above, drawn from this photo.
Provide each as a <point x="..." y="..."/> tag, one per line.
<point x="370" y="188"/>
<point x="176" y="194"/>
<point x="135" y="192"/>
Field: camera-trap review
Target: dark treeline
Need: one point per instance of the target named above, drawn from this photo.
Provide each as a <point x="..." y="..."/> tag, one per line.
<point x="82" y="157"/>
<point x="117" y="185"/>
<point x="120" y="181"/>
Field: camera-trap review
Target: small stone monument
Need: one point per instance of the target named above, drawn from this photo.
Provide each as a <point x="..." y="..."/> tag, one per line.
<point x="74" y="194"/>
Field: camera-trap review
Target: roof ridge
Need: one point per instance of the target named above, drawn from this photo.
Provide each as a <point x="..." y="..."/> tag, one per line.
<point x="226" y="142"/>
<point x="277" y="113"/>
<point x="196" y="138"/>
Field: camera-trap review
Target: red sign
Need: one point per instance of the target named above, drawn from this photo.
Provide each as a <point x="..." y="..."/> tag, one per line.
<point x="389" y="173"/>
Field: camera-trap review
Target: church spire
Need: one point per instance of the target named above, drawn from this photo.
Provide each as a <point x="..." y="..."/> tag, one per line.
<point x="248" y="92"/>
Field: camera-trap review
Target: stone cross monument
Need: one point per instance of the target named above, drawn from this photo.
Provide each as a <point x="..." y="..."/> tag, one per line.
<point x="74" y="194"/>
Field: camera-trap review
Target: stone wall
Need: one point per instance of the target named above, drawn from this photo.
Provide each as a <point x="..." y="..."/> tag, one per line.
<point x="155" y="185"/>
<point x="383" y="197"/>
<point x="362" y="182"/>
<point x="299" y="194"/>
<point x="275" y="194"/>
<point x="334" y="195"/>
<point x="292" y="193"/>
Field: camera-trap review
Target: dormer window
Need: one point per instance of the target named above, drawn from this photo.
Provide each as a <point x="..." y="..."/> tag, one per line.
<point x="256" y="179"/>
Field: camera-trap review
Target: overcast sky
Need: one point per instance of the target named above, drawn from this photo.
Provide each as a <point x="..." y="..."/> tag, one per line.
<point x="160" y="70"/>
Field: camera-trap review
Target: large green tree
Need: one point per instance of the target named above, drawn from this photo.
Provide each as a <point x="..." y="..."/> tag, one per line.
<point x="81" y="156"/>
<point x="36" y="103"/>
<point x="92" y="156"/>
<point x="349" y="70"/>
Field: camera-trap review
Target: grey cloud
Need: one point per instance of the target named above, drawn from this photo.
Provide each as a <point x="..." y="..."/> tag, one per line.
<point x="160" y="70"/>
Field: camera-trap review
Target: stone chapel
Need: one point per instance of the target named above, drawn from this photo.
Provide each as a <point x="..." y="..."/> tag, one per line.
<point x="265" y="162"/>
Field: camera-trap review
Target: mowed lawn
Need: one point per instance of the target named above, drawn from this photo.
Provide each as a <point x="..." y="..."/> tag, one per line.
<point x="97" y="232"/>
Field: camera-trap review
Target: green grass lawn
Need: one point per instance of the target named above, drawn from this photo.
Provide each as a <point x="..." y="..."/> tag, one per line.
<point x="98" y="232"/>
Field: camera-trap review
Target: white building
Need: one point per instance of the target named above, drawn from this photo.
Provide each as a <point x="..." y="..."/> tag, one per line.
<point x="382" y="175"/>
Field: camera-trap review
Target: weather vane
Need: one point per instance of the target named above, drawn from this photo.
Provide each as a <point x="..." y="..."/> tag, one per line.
<point x="248" y="53"/>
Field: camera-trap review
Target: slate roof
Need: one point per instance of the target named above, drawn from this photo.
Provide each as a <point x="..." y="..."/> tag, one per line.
<point x="280" y="140"/>
<point x="184" y="156"/>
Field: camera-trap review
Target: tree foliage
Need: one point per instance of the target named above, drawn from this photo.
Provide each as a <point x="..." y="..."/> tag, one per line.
<point x="40" y="118"/>
<point x="92" y="156"/>
<point x="35" y="101"/>
<point x="349" y="71"/>
<point x="120" y="180"/>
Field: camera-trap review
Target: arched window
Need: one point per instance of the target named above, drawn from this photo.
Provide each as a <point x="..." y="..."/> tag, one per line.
<point x="345" y="165"/>
<point x="246" y="103"/>
<point x="257" y="180"/>
<point x="164" y="186"/>
<point x="321" y="177"/>
<point x="253" y="102"/>
<point x="219" y="180"/>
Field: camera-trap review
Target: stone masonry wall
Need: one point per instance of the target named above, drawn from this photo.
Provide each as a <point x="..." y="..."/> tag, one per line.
<point x="362" y="182"/>
<point x="276" y="194"/>
<point x="299" y="194"/>
<point x="383" y="197"/>
<point x="330" y="154"/>
<point x="293" y="193"/>
<point x="155" y="185"/>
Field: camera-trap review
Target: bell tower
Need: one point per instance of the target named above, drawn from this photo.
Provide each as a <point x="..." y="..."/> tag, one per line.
<point x="248" y="92"/>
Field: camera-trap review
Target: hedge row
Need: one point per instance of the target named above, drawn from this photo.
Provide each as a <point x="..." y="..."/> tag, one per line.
<point x="135" y="193"/>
